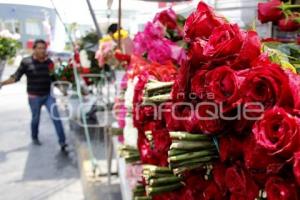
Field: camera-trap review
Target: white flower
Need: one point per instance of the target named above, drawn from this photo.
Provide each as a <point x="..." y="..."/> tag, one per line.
<point x="130" y="132"/>
<point x="6" y="34"/>
<point x="130" y="93"/>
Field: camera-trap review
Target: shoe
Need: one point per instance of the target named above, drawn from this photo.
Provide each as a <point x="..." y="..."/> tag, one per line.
<point x="36" y="142"/>
<point x="63" y="148"/>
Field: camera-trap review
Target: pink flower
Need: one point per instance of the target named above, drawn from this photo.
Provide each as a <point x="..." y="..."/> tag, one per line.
<point x="160" y="51"/>
<point x="154" y="30"/>
<point x="105" y="49"/>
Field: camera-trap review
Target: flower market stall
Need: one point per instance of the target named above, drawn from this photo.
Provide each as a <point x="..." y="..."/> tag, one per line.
<point x="210" y="111"/>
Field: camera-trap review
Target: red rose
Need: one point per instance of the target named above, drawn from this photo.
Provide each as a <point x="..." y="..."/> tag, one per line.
<point x="195" y="54"/>
<point x="198" y="84"/>
<point x="161" y="142"/>
<point x="267" y="84"/>
<point x="250" y="51"/>
<point x="209" y="119"/>
<point x="201" y="23"/>
<point x="194" y="186"/>
<point x="280" y="189"/>
<point x="269" y="11"/>
<point x="298" y="40"/>
<point x="172" y="122"/>
<point x="225" y="41"/>
<point x="51" y="67"/>
<point x="231" y="148"/>
<point x="240" y="183"/>
<point x="294" y="80"/>
<point x="156" y="151"/>
<point x="138" y="112"/>
<point x="180" y="88"/>
<point x="278" y="132"/>
<point x="223" y="85"/>
<point x="85" y="70"/>
<point x="269" y="40"/>
<point x="77" y="57"/>
<point x="212" y="192"/>
<point x="296" y="167"/>
<point x="122" y="57"/>
<point x="289" y="24"/>
<point x="167" y="18"/>
<point x="191" y="122"/>
<point x="259" y="162"/>
<point x="219" y="170"/>
<point x="146" y="154"/>
<point x="165" y="73"/>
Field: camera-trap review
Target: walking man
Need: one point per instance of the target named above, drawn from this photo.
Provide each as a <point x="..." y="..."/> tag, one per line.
<point x="36" y="68"/>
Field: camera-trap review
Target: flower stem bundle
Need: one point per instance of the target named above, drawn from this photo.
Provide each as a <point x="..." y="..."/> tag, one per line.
<point x="157" y="92"/>
<point x="160" y="180"/>
<point x="139" y="193"/>
<point x="190" y="151"/>
<point x="129" y="153"/>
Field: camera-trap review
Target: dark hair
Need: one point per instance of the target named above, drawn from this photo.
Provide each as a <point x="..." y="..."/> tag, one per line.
<point x="39" y="41"/>
<point x="112" y="28"/>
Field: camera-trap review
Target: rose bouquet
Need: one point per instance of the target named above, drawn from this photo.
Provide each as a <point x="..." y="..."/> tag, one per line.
<point x="64" y="72"/>
<point x="161" y="40"/>
<point x="229" y="128"/>
<point x="284" y="15"/>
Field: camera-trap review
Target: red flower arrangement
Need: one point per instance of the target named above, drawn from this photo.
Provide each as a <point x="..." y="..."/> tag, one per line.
<point x="229" y="127"/>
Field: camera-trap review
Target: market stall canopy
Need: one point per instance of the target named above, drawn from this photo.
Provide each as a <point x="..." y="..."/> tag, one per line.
<point x="166" y="0"/>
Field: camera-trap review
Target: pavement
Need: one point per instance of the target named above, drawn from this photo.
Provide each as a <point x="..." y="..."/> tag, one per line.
<point x="30" y="172"/>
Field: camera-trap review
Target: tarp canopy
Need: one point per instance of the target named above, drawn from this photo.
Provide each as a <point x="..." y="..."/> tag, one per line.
<point x="166" y="0"/>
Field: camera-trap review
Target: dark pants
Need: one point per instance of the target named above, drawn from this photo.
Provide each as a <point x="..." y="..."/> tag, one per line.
<point x="36" y="104"/>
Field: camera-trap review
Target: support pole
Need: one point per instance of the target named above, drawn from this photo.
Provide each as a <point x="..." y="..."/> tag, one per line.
<point x="119" y="24"/>
<point x="94" y="19"/>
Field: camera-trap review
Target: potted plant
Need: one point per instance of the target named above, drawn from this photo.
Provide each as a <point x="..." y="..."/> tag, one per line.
<point x="9" y="45"/>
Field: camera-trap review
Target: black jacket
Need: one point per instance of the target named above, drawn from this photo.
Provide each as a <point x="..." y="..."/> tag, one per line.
<point x="38" y="75"/>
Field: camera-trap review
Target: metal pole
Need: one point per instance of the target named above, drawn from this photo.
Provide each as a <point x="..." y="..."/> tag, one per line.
<point x="94" y="18"/>
<point x="119" y="24"/>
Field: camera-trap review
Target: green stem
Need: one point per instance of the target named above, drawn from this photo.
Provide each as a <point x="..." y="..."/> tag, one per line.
<point x="139" y="193"/>
<point x="157" y="99"/>
<point x="181" y="170"/>
<point x="190" y="156"/>
<point x="188" y="136"/>
<point x="130" y="151"/>
<point x="286" y="7"/>
<point x="189" y="145"/>
<point x="116" y="131"/>
<point x="157" y="92"/>
<point x="158" y="190"/>
<point x="132" y="159"/>
<point x="157" y="86"/>
<point x="297" y="20"/>
<point x="139" y="190"/>
<point x="129" y="154"/>
<point x="139" y="186"/>
<point x="142" y="198"/>
<point x="175" y="152"/>
<point x="154" y="168"/>
<point x="164" y="181"/>
<point x="203" y="160"/>
<point x="157" y="175"/>
<point x="128" y="147"/>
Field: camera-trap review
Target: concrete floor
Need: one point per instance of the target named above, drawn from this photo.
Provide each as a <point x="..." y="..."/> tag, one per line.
<point x="30" y="172"/>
